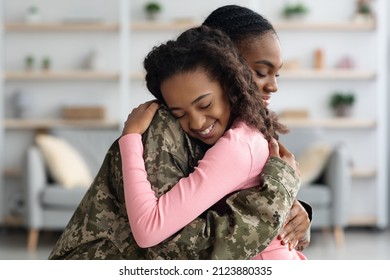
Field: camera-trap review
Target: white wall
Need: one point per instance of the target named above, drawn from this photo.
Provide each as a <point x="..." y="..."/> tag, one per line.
<point x="70" y="49"/>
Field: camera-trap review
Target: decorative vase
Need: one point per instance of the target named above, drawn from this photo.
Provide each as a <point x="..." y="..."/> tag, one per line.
<point x="21" y="104"/>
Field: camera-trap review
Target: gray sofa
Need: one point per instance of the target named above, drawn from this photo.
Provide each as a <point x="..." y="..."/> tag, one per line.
<point x="49" y="206"/>
<point x="329" y="194"/>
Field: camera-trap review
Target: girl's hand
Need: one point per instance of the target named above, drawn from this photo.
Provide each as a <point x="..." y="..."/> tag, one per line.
<point x="140" y="118"/>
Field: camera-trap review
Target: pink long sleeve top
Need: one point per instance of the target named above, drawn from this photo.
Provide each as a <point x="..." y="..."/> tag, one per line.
<point x="233" y="163"/>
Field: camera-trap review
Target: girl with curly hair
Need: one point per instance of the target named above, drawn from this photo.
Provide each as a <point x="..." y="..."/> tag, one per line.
<point x="206" y="85"/>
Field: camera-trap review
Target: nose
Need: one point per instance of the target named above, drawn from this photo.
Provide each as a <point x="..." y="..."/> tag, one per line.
<point x="196" y="121"/>
<point x="271" y="85"/>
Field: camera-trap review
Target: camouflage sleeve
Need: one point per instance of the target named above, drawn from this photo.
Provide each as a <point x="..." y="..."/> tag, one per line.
<point x="99" y="228"/>
<point x="256" y="215"/>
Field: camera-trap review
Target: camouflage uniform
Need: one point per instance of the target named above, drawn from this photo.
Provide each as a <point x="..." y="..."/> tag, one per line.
<point x="99" y="228"/>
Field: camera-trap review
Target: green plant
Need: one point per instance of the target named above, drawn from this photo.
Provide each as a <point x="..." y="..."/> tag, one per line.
<point x="29" y="62"/>
<point x="46" y="63"/>
<point x="33" y="10"/>
<point x="364" y="9"/>
<point x="295" y="9"/>
<point x="339" y="98"/>
<point x="152" y="7"/>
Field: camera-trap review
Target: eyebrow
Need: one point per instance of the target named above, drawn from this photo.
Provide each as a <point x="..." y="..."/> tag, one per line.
<point x="192" y="103"/>
<point x="266" y="62"/>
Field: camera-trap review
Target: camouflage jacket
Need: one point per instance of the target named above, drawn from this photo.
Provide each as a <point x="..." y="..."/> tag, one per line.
<point x="99" y="228"/>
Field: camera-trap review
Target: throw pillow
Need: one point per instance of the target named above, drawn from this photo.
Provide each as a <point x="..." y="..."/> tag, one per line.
<point x="63" y="161"/>
<point x="312" y="162"/>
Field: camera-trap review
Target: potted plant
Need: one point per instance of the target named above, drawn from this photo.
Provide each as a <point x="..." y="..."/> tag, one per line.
<point x="33" y="15"/>
<point x="363" y="11"/>
<point x="295" y="11"/>
<point x="342" y="103"/>
<point x="152" y="9"/>
<point x="46" y="64"/>
<point x="29" y="63"/>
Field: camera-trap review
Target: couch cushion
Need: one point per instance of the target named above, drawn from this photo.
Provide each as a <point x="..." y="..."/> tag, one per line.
<point x="312" y="162"/>
<point x="316" y="195"/>
<point x="59" y="197"/>
<point x="92" y="144"/>
<point x="63" y="161"/>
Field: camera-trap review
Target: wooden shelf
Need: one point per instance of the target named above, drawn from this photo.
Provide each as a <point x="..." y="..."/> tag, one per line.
<point x="107" y="76"/>
<point x="13" y="221"/>
<point x="363" y="173"/>
<point x="332" y="74"/>
<point x="329" y="123"/>
<point x="324" y="26"/>
<point x="58" y="123"/>
<point x="60" y="75"/>
<point x="362" y="221"/>
<point x="279" y="26"/>
<point x="60" y="27"/>
<point x="137" y="76"/>
<point x="177" y="25"/>
<point x="12" y="172"/>
<point x="308" y="74"/>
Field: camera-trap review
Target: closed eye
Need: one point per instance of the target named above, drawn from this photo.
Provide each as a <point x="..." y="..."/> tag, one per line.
<point x="206" y="106"/>
<point x="260" y="75"/>
<point x="177" y="113"/>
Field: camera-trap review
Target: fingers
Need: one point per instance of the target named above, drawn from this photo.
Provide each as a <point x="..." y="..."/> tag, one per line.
<point x="273" y="148"/>
<point x="296" y="226"/>
<point x="283" y="150"/>
<point x="302" y="244"/>
<point x="292" y="244"/>
<point x="289" y="236"/>
<point x="148" y="108"/>
<point x="140" y="118"/>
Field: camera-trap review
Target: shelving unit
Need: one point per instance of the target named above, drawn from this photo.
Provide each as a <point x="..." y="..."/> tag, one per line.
<point x="365" y="133"/>
<point x="66" y="83"/>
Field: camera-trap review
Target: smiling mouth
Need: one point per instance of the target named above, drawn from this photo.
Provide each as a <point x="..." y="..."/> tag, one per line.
<point x="207" y="130"/>
<point x="266" y="99"/>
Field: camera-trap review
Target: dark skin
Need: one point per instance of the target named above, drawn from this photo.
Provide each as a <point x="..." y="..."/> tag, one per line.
<point x="294" y="231"/>
<point x="264" y="56"/>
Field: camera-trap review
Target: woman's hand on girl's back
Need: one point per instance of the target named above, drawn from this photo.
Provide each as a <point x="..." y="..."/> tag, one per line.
<point x="140" y="118"/>
<point x="277" y="149"/>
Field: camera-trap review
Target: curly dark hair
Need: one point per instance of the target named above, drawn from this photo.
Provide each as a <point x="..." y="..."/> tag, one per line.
<point x="203" y="48"/>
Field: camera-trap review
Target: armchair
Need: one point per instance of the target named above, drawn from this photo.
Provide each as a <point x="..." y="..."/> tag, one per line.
<point x="50" y="205"/>
<point x="329" y="193"/>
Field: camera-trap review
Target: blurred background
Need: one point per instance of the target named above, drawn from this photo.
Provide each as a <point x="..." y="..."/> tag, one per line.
<point x="73" y="70"/>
